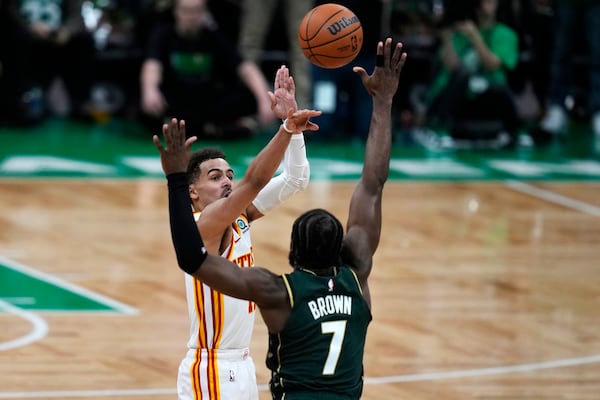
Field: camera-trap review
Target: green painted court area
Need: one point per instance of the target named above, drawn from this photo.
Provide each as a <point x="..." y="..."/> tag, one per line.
<point x="28" y="289"/>
<point x="122" y="149"/>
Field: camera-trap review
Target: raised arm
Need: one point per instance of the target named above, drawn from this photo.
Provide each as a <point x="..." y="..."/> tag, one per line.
<point x="296" y="169"/>
<point x="262" y="168"/>
<point x="364" y="221"/>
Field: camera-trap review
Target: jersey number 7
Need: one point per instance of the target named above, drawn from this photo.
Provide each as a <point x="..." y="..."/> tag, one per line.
<point x="338" y="329"/>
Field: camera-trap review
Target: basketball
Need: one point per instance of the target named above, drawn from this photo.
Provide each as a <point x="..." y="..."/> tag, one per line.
<point x="330" y="35"/>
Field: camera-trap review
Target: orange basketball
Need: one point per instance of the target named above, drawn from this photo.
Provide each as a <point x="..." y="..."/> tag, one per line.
<point x="330" y="35"/>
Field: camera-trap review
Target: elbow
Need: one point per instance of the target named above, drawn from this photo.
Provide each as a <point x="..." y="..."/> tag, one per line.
<point x="303" y="177"/>
<point x="302" y="181"/>
<point x="303" y="184"/>
<point x="299" y="182"/>
<point x="190" y="266"/>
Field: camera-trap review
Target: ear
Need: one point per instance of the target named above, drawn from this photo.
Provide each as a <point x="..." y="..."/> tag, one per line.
<point x="292" y="256"/>
<point x="193" y="193"/>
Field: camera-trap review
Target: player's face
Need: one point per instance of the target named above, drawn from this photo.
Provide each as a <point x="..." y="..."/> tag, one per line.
<point x="215" y="181"/>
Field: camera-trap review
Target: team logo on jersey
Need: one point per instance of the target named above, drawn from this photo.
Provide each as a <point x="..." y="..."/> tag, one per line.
<point x="241" y="223"/>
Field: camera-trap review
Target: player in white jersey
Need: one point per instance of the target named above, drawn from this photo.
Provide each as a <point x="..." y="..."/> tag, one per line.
<point x="220" y="322"/>
<point x="218" y="363"/>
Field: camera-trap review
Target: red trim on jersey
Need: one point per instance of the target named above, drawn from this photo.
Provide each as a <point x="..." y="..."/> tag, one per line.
<point x="195" y="375"/>
<point x="199" y="297"/>
<point x="213" y="375"/>
<point x="218" y="305"/>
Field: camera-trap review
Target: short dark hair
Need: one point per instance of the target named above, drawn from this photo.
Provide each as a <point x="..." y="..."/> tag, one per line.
<point x="198" y="157"/>
<point x="316" y="240"/>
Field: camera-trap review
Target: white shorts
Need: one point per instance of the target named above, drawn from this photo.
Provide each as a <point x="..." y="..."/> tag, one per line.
<point x="235" y="377"/>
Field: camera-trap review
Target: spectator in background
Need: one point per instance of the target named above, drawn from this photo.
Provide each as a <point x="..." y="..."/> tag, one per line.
<point x="193" y="72"/>
<point x="532" y="20"/>
<point x="255" y="22"/>
<point x="414" y="24"/>
<point x="47" y="40"/>
<point x="345" y="104"/>
<point x="569" y="15"/>
<point x="470" y="96"/>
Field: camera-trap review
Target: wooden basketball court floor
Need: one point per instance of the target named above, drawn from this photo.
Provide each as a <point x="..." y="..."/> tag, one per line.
<point x="481" y="290"/>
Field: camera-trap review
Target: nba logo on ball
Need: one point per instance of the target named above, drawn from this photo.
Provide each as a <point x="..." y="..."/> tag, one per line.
<point x="330" y="35"/>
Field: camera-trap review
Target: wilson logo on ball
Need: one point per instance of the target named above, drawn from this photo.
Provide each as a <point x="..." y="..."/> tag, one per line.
<point x="337" y="27"/>
<point x="330" y="35"/>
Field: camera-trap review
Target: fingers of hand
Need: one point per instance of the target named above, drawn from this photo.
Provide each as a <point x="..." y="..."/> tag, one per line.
<point x="379" y="58"/>
<point x="181" y="132"/>
<point x="398" y="57"/>
<point x="282" y="78"/>
<point x="401" y="62"/>
<point x="157" y="143"/>
<point x="166" y="130"/>
<point x="190" y="141"/>
<point x="387" y="51"/>
<point x="286" y="74"/>
<point x="174" y="132"/>
<point x="278" y="78"/>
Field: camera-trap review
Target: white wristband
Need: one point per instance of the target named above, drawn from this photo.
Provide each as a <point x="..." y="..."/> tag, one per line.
<point x="285" y="128"/>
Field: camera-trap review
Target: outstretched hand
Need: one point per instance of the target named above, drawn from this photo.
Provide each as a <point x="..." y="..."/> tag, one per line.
<point x="176" y="153"/>
<point x="283" y="97"/>
<point x="298" y="121"/>
<point x="383" y="82"/>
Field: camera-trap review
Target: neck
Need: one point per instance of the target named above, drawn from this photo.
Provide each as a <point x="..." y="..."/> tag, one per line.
<point x="327" y="271"/>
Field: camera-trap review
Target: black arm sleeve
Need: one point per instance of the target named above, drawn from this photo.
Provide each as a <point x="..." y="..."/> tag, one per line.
<point x="187" y="241"/>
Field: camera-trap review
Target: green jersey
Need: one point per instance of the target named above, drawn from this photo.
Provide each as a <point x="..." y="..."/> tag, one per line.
<point x="319" y="353"/>
<point x="501" y="39"/>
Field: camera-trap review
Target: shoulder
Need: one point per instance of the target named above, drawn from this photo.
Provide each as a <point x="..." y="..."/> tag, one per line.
<point x="242" y="220"/>
<point x="349" y="274"/>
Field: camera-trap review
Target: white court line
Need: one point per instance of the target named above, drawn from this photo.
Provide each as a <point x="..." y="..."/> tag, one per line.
<point x="120" y="307"/>
<point x="553" y="197"/>
<point x="40" y="328"/>
<point x="63" y="394"/>
<point x="431" y="376"/>
<point x="508" y="369"/>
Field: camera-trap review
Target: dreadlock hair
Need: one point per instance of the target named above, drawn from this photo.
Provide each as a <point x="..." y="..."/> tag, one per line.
<point x="316" y="240"/>
<point x="198" y="157"/>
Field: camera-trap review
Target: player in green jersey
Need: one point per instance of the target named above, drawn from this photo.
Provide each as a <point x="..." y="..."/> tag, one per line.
<point x="317" y="316"/>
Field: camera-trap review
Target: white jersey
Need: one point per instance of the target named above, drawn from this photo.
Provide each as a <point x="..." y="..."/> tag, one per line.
<point x="218" y="363"/>
<point x="219" y="321"/>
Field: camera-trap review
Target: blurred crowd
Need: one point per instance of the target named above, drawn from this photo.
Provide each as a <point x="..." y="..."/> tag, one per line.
<point x="491" y="73"/>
